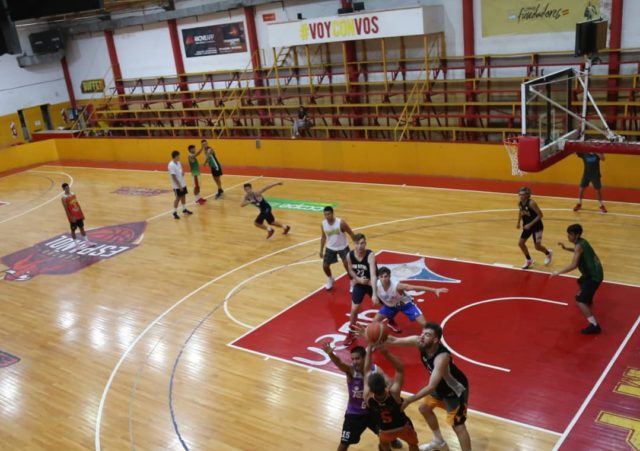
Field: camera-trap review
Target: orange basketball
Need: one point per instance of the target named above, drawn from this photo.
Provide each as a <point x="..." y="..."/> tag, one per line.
<point x="376" y="333"/>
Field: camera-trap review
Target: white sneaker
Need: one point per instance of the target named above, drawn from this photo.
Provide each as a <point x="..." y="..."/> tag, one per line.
<point x="548" y="257"/>
<point x="329" y="284"/>
<point x="528" y="264"/>
<point x="434" y="445"/>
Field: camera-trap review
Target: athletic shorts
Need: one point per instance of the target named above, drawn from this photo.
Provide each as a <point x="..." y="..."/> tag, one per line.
<point x="265" y="215"/>
<point x="357" y="295"/>
<point x="355" y="424"/>
<point x="79" y="224"/>
<point x="216" y="172"/>
<point x="455" y="406"/>
<point x="594" y="179"/>
<point x="409" y="309"/>
<point x="331" y="256"/>
<point x="588" y="288"/>
<point x="406" y="433"/>
<point x="181" y="192"/>
<point x="537" y="234"/>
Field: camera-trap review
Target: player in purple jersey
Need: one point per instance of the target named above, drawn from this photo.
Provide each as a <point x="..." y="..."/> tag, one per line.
<point x="357" y="418"/>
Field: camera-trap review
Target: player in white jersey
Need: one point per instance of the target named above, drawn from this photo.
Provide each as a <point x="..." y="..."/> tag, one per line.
<point x="333" y="236"/>
<point x="395" y="299"/>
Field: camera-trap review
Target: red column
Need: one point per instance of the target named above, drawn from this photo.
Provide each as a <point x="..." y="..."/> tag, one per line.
<point x="468" y="26"/>
<point x="256" y="64"/>
<point x="351" y="57"/>
<point x="67" y="80"/>
<point x="115" y="66"/>
<point x="177" y="58"/>
<point x="614" y="59"/>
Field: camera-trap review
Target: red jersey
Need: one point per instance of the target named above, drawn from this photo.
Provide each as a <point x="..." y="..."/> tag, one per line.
<point x="74" y="212"/>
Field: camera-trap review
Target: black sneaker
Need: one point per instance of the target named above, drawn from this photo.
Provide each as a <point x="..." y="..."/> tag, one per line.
<point x="591" y="329"/>
<point x="219" y="194"/>
<point x="396" y="444"/>
<point x="187" y="212"/>
<point x="175" y="215"/>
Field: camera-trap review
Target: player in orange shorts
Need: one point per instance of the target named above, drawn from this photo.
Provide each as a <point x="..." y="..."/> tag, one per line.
<point x="385" y="402"/>
<point x="448" y="387"/>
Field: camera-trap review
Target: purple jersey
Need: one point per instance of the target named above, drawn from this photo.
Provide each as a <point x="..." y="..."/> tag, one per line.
<point x="356" y="404"/>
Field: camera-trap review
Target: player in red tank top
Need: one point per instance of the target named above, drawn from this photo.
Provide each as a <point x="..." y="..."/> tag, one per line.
<point x="74" y="213"/>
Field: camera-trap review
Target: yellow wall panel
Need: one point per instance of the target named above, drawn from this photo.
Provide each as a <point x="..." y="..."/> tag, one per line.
<point x="483" y="161"/>
<point x="27" y="155"/>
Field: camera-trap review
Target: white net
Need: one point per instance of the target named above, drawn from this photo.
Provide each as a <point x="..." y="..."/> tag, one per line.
<point x="511" y="144"/>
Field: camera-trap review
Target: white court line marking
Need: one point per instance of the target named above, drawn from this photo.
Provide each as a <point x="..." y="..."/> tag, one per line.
<point x="511" y="298"/>
<point x="227" y="298"/>
<point x="370" y="184"/>
<point x="238" y="268"/>
<point x="210" y="195"/>
<point x="43" y="203"/>
<point x="596" y="386"/>
<point x="325" y="371"/>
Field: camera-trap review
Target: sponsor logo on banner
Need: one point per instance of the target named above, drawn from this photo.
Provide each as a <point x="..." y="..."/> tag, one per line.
<point x="339" y="28"/>
<point x="298" y="205"/>
<point x="534" y="16"/>
<point x="214" y="40"/>
<point x="62" y="255"/>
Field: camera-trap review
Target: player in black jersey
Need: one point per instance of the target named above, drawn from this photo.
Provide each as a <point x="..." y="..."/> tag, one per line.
<point x="531" y="216"/>
<point x="386" y="404"/>
<point x="361" y="263"/>
<point x="255" y="198"/>
<point x="448" y="387"/>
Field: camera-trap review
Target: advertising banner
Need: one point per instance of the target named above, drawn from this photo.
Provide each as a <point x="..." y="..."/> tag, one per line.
<point x="214" y="40"/>
<point x="539" y="16"/>
<point x="350" y="27"/>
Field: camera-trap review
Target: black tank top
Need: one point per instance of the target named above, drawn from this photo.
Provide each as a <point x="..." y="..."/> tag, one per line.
<point x="453" y="382"/>
<point x="262" y="204"/>
<point x="529" y="214"/>
<point x="361" y="267"/>
<point x="388" y="412"/>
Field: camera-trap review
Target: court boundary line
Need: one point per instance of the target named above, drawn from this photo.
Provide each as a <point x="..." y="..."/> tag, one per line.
<point x="43" y="203"/>
<point x="238" y="268"/>
<point x="376" y="184"/>
<point x="596" y="386"/>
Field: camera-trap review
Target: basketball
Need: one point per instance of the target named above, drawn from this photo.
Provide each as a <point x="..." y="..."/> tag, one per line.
<point x="376" y="333"/>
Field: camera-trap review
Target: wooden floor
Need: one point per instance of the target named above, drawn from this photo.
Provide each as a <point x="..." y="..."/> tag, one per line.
<point x="98" y="347"/>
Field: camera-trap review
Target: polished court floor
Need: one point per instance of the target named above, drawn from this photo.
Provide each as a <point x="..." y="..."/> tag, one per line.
<point x="128" y="348"/>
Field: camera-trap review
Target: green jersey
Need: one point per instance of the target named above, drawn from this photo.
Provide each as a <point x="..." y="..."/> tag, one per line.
<point x="195" y="166"/>
<point x="589" y="264"/>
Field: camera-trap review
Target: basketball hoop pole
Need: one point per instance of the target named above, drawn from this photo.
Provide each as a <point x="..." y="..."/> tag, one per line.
<point x="587" y="97"/>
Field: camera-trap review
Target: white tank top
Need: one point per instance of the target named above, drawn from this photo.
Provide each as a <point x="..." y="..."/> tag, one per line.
<point x="391" y="297"/>
<point x="336" y="238"/>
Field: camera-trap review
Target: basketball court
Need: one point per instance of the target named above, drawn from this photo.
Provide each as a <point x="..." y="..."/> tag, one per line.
<point x="201" y="334"/>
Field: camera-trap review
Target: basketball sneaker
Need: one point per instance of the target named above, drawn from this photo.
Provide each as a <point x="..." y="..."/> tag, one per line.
<point x="577" y="207"/>
<point x="548" y="257"/>
<point x="591" y="329"/>
<point x="393" y="326"/>
<point x="603" y="209"/>
<point x="187" y="212"/>
<point x="175" y="215"/>
<point x="329" y="284"/>
<point x="528" y="264"/>
<point x="286" y="229"/>
<point x="219" y="194"/>
<point x="434" y="445"/>
<point x="270" y="233"/>
<point x="396" y="444"/>
<point x="201" y="201"/>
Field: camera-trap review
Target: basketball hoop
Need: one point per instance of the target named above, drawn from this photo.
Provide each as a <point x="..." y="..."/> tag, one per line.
<point x="511" y="144"/>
